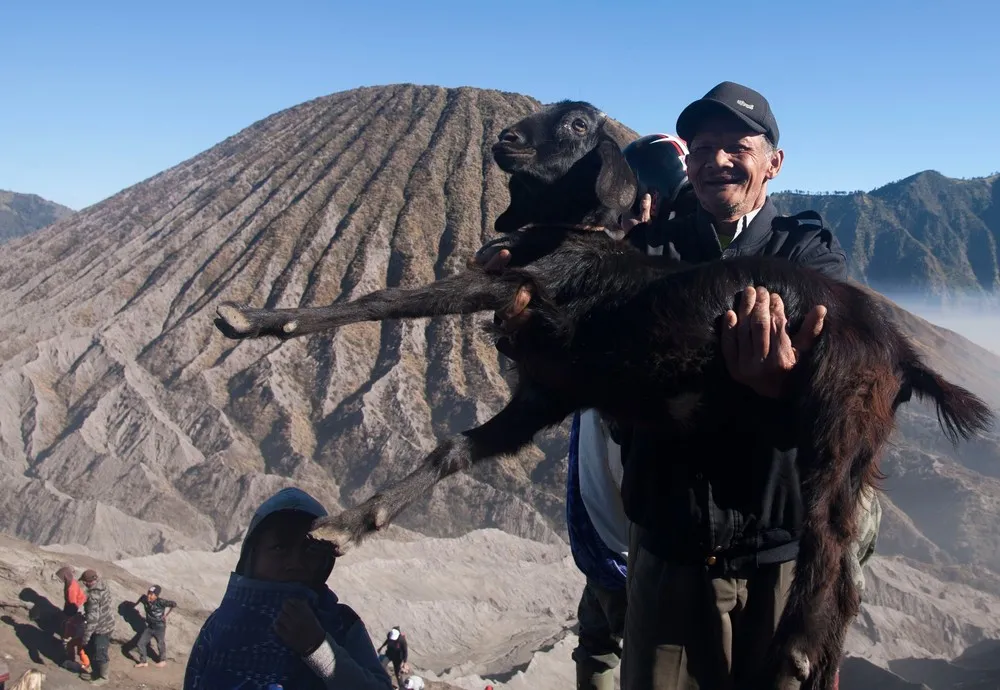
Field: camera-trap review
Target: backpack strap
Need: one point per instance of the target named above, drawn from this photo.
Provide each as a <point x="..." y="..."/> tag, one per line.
<point x="801" y="220"/>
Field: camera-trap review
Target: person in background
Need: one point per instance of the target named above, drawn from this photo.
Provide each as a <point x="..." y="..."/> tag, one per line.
<point x="30" y="680"/>
<point x="73" y="594"/>
<point x="157" y="611"/>
<point x="73" y="626"/>
<point x="595" y="517"/>
<point x="278" y="622"/>
<point x="99" y="615"/>
<point x="397" y="651"/>
<point x="72" y="636"/>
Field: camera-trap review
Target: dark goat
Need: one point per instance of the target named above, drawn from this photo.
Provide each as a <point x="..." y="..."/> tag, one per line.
<point x="637" y="338"/>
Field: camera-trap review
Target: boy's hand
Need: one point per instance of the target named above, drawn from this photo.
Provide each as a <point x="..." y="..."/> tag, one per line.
<point x="298" y="627"/>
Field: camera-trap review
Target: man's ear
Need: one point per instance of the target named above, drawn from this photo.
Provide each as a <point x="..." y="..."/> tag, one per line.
<point x="616" y="184"/>
<point x="774" y="164"/>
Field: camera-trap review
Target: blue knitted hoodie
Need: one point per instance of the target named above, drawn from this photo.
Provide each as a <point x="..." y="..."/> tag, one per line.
<point x="237" y="646"/>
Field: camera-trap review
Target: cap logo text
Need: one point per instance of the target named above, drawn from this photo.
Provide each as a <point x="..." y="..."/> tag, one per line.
<point x="746" y="105"/>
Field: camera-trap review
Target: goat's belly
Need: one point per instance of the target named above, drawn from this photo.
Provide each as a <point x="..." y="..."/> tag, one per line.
<point x="656" y="394"/>
<point x="551" y="374"/>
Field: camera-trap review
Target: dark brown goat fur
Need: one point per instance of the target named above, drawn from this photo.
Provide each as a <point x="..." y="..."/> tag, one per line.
<point x="637" y="338"/>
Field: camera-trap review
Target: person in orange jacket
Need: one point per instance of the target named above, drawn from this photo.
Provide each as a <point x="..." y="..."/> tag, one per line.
<point x="73" y="593"/>
<point x="73" y="626"/>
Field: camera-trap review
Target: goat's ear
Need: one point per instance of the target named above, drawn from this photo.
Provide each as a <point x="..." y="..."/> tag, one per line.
<point x="616" y="183"/>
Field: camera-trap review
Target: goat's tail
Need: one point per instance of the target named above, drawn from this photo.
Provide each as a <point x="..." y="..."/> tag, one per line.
<point x="960" y="412"/>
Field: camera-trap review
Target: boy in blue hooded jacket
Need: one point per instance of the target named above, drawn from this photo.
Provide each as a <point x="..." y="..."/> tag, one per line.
<point x="278" y="622"/>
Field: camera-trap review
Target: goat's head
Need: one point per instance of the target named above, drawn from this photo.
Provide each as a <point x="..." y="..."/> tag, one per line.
<point x="564" y="166"/>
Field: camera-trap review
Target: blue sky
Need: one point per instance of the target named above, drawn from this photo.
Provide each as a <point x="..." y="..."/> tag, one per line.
<point x="97" y="96"/>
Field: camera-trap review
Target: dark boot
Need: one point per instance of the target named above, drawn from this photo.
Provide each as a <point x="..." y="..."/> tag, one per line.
<point x="590" y="678"/>
<point x="100" y="674"/>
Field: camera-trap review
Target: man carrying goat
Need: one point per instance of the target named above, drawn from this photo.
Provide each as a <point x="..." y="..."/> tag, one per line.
<point x="712" y="550"/>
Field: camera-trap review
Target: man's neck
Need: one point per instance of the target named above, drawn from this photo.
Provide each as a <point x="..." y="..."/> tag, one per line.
<point x="729" y="229"/>
<point x="730" y="221"/>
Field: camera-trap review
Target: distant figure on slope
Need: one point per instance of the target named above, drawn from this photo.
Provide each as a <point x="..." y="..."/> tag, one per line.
<point x="74" y="625"/>
<point x="100" y="623"/>
<point x="397" y="651"/>
<point x="278" y="622"/>
<point x="73" y="594"/>
<point x="157" y="611"/>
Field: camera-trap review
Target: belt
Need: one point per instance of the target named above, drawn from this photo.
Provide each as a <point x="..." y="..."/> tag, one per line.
<point x="718" y="563"/>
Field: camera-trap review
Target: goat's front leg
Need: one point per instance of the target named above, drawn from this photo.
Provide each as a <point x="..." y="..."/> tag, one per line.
<point x="467" y="292"/>
<point x="530" y="411"/>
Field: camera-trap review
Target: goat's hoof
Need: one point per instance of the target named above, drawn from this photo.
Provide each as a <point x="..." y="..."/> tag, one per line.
<point x="785" y="663"/>
<point x="233" y="321"/>
<point x="329" y="529"/>
<point x="238" y="323"/>
<point x="351" y="526"/>
<point x="799" y="665"/>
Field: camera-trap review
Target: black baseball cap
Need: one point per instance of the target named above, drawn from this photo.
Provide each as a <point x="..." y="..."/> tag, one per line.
<point x="749" y="106"/>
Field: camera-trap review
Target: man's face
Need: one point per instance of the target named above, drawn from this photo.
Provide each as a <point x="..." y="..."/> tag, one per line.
<point x="729" y="167"/>
<point x="150" y="597"/>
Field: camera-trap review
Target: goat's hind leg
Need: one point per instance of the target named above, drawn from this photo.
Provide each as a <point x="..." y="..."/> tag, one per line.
<point x="506" y="433"/>
<point x="823" y="675"/>
<point x="463" y="293"/>
<point x="800" y="644"/>
<point x="849" y="426"/>
<point x="846" y="604"/>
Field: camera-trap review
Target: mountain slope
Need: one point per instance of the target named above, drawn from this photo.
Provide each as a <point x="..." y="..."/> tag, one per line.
<point x="21" y="214"/>
<point x="133" y="426"/>
<point x="926" y="234"/>
<point x="129" y="425"/>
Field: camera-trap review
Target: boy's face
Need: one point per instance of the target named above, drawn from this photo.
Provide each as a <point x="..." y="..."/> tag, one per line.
<point x="286" y="553"/>
<point x="150" y="597"/>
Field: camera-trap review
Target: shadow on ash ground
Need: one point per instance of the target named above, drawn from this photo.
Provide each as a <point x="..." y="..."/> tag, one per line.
<point x="123" y="676"/>
<point x="24" y="645"/>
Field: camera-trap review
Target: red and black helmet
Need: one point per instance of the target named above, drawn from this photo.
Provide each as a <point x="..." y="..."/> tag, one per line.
<point x="658" y="161"/>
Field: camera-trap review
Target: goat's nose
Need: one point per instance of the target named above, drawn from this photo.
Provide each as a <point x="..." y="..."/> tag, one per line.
<point x="510" y="136"/>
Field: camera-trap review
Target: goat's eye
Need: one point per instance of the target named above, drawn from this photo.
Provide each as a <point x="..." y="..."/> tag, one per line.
<point x="579" y="125"/>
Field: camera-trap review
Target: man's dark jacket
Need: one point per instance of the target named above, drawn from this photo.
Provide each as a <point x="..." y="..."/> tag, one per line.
<point x="728" y="501"/>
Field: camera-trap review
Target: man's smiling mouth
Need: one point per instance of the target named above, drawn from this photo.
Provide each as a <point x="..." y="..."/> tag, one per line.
<point x="724" y="181"/>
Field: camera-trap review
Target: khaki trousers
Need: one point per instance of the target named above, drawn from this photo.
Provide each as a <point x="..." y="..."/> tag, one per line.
<point x="687" y="630"/>
<point x="601" y="615"/>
